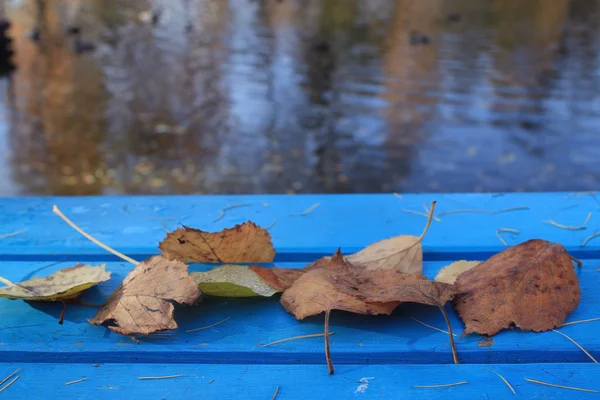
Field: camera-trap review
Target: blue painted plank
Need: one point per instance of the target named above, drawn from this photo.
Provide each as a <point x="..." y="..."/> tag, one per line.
<point x="297" y="381"/>
<point x="30" y="334"/>
<point x="133" y="225"/>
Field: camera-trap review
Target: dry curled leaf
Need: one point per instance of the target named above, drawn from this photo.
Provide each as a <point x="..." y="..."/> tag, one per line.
<point x="532" y="286"/>
<point x="449" y="273"/>
<point x="315" y="292"/>
<point x="143" y="302"/>
<point x="240" y="281"/>
<point x="401" y="253"/>
<point x="242" y="243"/>
<point x="65" y="284"/>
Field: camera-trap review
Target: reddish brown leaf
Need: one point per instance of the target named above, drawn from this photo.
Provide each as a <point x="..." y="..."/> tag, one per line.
<point x="315" y="292"/>
<point x="391" y="285"/>
<point x="142" y="304"/>
<point x="242" y="243"/>
<point x="336" y="284"/>
<point x="532" y="286"/>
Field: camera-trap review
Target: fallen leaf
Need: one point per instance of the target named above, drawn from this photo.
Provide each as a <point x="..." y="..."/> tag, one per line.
<point x="532" y="286"/>
<point x="338" y="285"/>
<point x="242" y="243"/>
<point x="240" y="281"/>
<point x="142" y="304"/>
<point x="401" y="253"/>
<point x="449" y="273"/>
<point x="315" y="292"/>
<point x="65" y="284"/>
<point x="392" y="286"/>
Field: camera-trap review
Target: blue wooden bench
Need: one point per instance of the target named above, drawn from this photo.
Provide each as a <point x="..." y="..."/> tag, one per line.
<point x="375" y="357"/>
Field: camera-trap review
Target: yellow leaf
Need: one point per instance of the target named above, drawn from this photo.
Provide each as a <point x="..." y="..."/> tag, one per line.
<point x="449" y="273"/>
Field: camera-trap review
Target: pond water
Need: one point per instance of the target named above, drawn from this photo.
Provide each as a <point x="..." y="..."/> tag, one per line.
<point x="300" y="96"/>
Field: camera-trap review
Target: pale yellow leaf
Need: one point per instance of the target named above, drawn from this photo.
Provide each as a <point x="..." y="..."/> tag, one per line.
<point x="61" y="285"/>
<point x="449" y="273"/>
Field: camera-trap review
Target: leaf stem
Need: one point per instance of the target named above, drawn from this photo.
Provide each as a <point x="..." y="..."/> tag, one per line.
<point x="61" y="320"/>
<point x="327" y="350"/>
<point x="576" y="260"/>
<point x="429" y="218"/>
<point x="453" y="346"/>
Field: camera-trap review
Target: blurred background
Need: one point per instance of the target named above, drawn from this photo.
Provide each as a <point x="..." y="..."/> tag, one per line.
<point x="299" y="96"/>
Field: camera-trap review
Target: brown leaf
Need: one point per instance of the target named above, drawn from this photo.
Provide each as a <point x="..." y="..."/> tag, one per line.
<point x="532" y="285"/>
<point x="336" y="284"/>
<point x="142" y="304"/>
<point x="242" y="243"/>
<point x="315" y="292"/>
<point x="390" y="285"/>
<point x="279" y="279"/>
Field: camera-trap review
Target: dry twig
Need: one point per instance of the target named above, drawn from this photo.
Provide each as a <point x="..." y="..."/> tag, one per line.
<point x="77" y="381"/>
<point x="229" y="208"/>
<point x="91" y="238"/>
<point x="576" y="344"/>
<point x="560" y="386"/>
<point x="504" y="380"/>
<point x="314" y="335"/>
<point x="307" y="211"/>
<point x="9" y="384"/>
<point x="508" y="230"/>
<point x="275" y="394"/>
<point x="580" y="321"/>
<point x="441" y="386"/>
<point x="7" y="235"/>
<point x="208" y="326"/>
<point x="149" y="378"/>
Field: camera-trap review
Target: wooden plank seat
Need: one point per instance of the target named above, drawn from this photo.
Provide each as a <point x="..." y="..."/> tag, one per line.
<point x="397" y="352"/>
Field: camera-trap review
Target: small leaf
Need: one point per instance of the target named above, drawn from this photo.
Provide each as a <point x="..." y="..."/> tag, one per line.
<point x="449" y="273"/>
<point x="242" y="243"/>
<point x="142" y="304"/>
<point x="532" y="286"/>
<point x="65" y="284"/>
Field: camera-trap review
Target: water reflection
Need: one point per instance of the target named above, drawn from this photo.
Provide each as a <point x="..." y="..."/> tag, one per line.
<point x="255" y="96"/>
